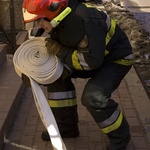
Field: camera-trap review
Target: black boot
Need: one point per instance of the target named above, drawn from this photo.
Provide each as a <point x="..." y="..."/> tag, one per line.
<point x="64" y="134"/>
<point x="119" y="146"/>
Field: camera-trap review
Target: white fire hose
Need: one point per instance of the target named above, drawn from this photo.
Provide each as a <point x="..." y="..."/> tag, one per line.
<point x="33" y="60"/>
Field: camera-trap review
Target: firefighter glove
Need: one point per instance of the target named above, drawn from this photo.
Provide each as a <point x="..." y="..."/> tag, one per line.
<point x="83" y="45"/>
<point x="84" y="42"/>
<point x="53" y="47"/>
<point x="25" y="80"/>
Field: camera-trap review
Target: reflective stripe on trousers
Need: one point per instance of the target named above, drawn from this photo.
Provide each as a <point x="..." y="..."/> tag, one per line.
<point x="112" y="123"/>
<point x="62" y="99"/>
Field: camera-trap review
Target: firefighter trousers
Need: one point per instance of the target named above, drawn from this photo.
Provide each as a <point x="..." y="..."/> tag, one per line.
<point x="63" y="103"/>
<point x="96" y="98"/>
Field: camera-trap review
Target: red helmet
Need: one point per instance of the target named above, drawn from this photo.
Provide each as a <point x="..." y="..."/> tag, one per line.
<point x="35" y="9"/>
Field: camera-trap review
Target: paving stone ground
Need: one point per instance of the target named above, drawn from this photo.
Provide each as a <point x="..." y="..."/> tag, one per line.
<point x="27" y="128"/>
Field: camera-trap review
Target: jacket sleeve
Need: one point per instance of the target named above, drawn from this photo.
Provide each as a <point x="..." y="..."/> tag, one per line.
<point x="96" y="33"/>
<point x="93" y="55"/>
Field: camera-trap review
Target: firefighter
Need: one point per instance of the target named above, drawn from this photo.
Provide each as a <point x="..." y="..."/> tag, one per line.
<point x="91" y="45"/>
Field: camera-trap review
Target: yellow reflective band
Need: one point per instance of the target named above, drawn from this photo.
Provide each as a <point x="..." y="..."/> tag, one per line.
<point x="90" y="6"/>
<point x="111" y="31"/>
<point x="75" y="61"/>
<point x="106" y="52"/>
<point x="114" y="126"/>
<point x="87" y="5"/>
<point x="62" y="103"/>
<point x="125" y="62"/>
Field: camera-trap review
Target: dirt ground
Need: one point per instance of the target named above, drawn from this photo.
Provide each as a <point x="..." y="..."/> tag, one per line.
<point x="139" y="38"/>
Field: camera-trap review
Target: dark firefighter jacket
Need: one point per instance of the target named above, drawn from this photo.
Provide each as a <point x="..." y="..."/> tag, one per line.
<point x="106" y="41"/>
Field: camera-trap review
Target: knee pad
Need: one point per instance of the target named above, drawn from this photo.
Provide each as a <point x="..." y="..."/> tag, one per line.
<point x="94" y="99"/>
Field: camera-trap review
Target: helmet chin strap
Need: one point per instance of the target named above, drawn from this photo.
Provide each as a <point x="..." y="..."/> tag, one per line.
<point x="55" y="22"/>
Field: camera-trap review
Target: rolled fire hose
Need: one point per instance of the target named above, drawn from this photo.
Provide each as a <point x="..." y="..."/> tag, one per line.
<point x="33" y="60"/>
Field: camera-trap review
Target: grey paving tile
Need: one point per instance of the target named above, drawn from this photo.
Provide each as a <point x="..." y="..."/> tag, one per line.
<point x="27" y="127"/>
